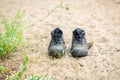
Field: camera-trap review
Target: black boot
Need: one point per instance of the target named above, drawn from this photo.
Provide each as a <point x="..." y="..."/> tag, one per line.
<point x="79" y="45"/>
<point x="57" y="45"/>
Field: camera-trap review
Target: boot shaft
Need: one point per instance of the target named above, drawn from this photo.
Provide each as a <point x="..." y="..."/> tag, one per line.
<point x="57" y="36"/>
<point x="78" y="37"/>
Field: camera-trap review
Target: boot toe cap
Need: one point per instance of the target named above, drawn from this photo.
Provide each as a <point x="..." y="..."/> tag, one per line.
<point x="79" y="52"/>
<point x="56" y="52"/>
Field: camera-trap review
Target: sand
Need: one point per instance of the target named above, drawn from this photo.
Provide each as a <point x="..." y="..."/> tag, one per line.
<point x="99" y="18"/>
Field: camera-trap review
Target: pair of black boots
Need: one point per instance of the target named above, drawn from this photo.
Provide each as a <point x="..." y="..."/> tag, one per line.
<point x="57" y="46"/>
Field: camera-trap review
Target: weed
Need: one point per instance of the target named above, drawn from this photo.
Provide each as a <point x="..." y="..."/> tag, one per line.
<point x="49" y="12"/>
<point x="12" y="38"/>
<point x="19" y="74"/>
<point x="33" y="77"/>
<point x="3" y="69"/>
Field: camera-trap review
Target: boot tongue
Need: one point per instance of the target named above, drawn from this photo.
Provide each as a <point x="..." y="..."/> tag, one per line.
<point x="79" y="39"/>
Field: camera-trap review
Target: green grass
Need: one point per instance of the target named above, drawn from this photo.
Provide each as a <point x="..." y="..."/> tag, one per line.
<point x="18" y="75"/>
<point x="12" y="36"/>
<point x="33" y="77"/>
<point x="3" y="69"/>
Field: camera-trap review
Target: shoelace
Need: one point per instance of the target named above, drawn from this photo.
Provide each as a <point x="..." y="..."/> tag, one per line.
<point x="57" y="38"/>
<point x="79" y="39"/>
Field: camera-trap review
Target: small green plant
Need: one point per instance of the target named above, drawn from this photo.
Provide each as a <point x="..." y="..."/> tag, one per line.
<point x="19" y="74"/>
<point x="3" y="69"/>
<point x="33" y="77"/>
<point x="49" y="12"/>
<point x="12" y="35"/>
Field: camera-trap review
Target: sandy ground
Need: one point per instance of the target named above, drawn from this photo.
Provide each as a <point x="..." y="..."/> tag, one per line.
<point x="99" y="18"/>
